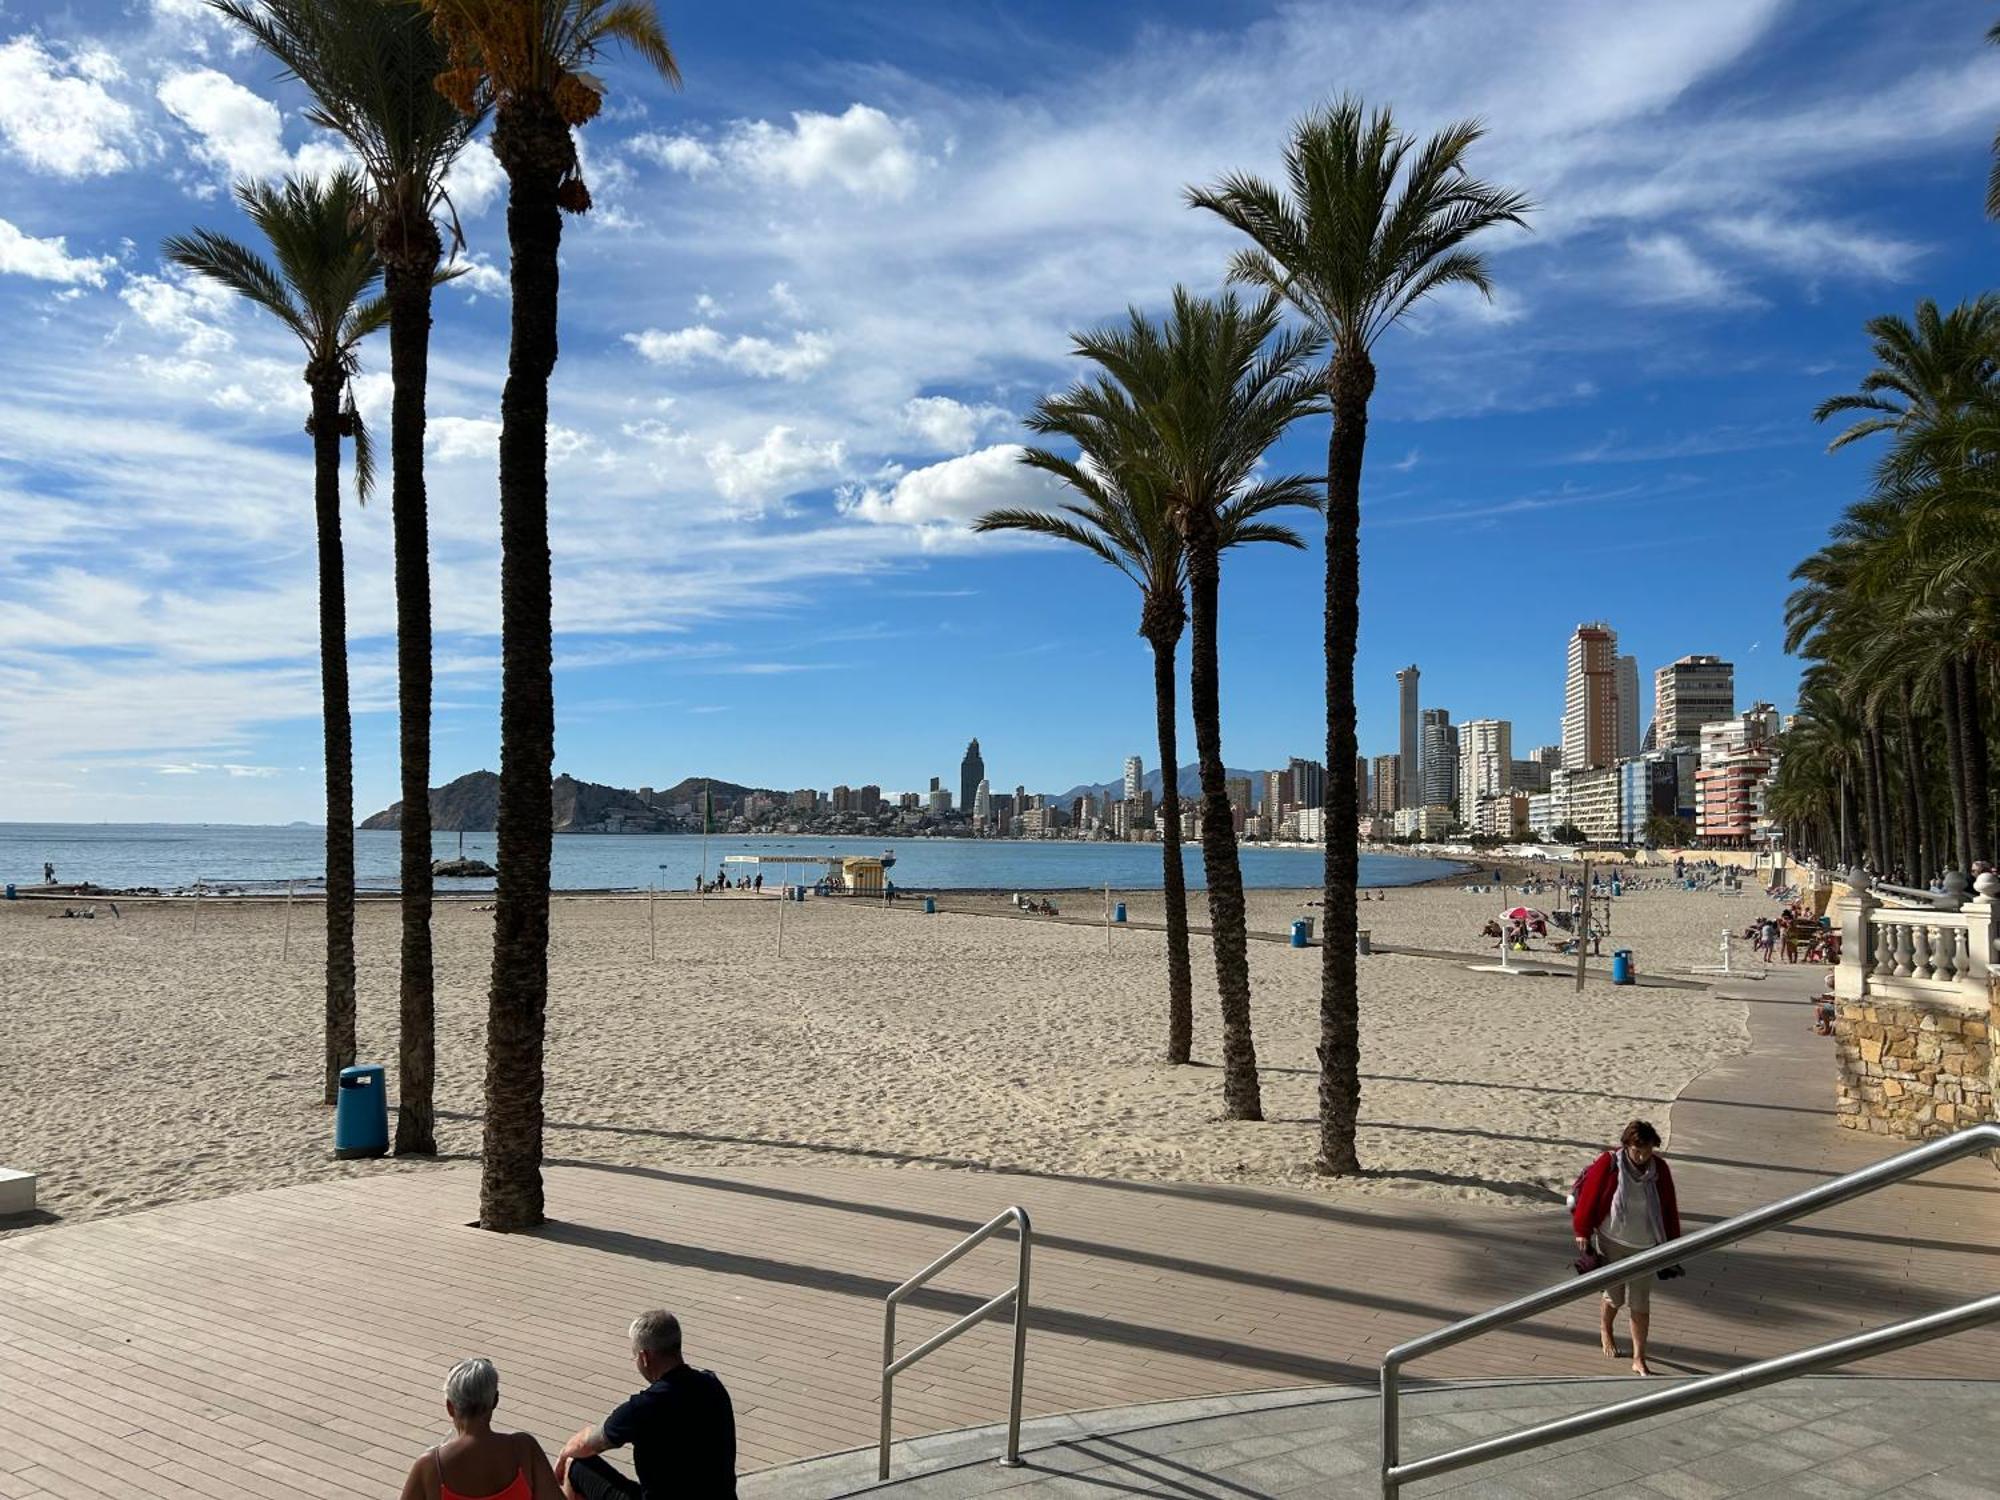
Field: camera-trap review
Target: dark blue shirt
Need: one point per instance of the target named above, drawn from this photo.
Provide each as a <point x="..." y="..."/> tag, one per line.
<point x="683" y="1435"/>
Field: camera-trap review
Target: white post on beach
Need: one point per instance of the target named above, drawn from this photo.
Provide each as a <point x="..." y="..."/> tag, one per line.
<point x="1107" y="918"/>
<point x="286" y="957"/>
<point x="784" y="900"/>
<point x="652" y="925"/>
<point x="1583" y="929"/>
<point x="197" y="908"/>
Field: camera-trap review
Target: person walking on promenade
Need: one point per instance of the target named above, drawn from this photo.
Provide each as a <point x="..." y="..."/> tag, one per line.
<point x="682" y="1429"/>
<point x="476" y="1460"/>
<point x="1625" y="1199"/>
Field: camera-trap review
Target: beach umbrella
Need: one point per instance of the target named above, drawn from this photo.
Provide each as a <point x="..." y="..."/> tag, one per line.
<point x="1524" y="914"/>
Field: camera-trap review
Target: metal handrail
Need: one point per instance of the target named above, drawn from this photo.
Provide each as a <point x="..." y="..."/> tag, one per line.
<point x="1017" y="1294"/>
<point x="1911" y="1163"/>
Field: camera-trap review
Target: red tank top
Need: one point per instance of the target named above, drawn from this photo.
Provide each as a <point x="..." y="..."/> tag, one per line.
<point x="517" y="1487"/>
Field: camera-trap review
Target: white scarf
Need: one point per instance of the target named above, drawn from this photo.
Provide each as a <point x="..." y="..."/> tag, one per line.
<point x="1644" y="1181"/>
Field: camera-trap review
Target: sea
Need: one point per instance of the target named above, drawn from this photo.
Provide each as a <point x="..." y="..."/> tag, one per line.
<point x="230" y="857"/>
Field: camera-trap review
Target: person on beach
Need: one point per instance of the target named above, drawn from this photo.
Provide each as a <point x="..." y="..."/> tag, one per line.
<point x="476" y="1461"/>
<point x="1625" y="1201"/>
<point x="48" y="873"/>
<point x="681" y="1428"/>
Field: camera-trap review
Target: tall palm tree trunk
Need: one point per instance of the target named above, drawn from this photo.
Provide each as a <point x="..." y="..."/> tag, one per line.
<point x="1849" y="855"/>
<point x="1339" y="984"/>
<point x="1972" y="760"/>
<point x="533" y="146"/>
<point x="407" y="284"/>
<point x="1914" y="814"/>
<point x="1878" y="799"/>
<point x="1954" y="755"/>
<point x="1241" y="1097"/>
<point x="338" y="731"/>
<point x="1164" y="637"/>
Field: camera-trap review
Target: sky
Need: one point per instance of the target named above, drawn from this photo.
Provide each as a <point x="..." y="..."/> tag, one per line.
<point x="820" y="287"/>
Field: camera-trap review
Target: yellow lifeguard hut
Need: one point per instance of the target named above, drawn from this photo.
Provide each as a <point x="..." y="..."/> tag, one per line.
<point x="863" y="874"/>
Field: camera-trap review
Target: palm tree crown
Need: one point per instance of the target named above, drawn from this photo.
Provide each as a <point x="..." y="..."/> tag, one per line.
<point x="321" y="287"/>
<point x="1925" y="372"/>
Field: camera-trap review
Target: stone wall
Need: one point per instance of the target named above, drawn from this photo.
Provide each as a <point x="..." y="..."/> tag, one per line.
<point x="1914" y="1068"/>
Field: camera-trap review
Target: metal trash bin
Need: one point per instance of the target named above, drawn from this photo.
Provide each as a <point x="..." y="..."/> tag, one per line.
<point x="10" y="891"/>
<point x="361" y="1118"/>
<point x="1302" y="932"/>
<point x="1118" y="912"/>
<point x="1621" y="966"/>
<point x="930" y="906"/>
<point x="1364" y="942"/>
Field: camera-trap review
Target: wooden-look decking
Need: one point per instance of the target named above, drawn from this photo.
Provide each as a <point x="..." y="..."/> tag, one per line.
<point x="291" y="1342"/>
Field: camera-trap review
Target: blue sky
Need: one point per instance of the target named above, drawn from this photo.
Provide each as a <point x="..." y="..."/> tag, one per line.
<point x="821" y="285"/>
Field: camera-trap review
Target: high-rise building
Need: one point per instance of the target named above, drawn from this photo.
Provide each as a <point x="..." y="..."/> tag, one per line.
<point x="1628" y="707"/>
<point x="843" y="799"/>
<point x="982" y="802"/>
<point x="1003" y="812"/>
<point x="1135" y="775"/>
<point x="1308" y="782"/>
<point x="1362" y="806"/>
<point x="1590" y="699"/>
<point x="871" y="799"/>
<point x="1485" y="763"/>
<point x="1277" y="793"/>
<point x="1689" y="693"/>
<point x="1238" y="788"/>
<point x="1438" y="744"/>
<point x="971" y="771"/>
<point x="1387" y="778"/>
<point x="1408" y="747"/>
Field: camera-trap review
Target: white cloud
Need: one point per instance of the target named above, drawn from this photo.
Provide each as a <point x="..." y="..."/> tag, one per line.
<point x="1664" y="268"/>
<point x="862" y="150"/>
<point x="1813" y="247"/>
<point x="949" y="425"/>
<point x="463" y="437"/>
<point x="475" y="180"/>
<point x="953" y="494"/>
<point x="479" y="277"/>
<point x="679" y="153"/>
<point x="238" y="131"/>
<point x="752" y="355"/>
<point x="781" y="464"/>
<point x="186" y="310"/>
<point x="59" y="117"/>
<point x="49" y="259"/>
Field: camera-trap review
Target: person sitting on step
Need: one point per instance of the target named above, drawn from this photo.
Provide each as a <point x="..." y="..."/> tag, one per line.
<point x="681" y="1428"/>
<point x="476" y="1461"/>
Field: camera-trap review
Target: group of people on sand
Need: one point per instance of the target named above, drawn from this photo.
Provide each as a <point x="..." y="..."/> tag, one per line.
<point x="724" y="883"/>
<point x="681" y="1429"/>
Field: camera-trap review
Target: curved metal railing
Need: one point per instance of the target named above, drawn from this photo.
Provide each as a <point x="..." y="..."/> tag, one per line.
<point x="1911" y="1163"/>
<point x="1016" y="1294"/>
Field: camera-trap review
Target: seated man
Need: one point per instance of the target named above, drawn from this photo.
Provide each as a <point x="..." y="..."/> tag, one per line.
<point x="682" y="1429"/>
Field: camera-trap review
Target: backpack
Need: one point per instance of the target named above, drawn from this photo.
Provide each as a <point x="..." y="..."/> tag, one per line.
<point x="1576" y="1188"/>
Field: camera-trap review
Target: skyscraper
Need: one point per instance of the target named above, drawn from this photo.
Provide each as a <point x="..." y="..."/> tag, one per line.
<point x="1438" y="744"/>
<point x="1361" y="803"/>
<point x="1485" y="762"/>
<point x="1135" y="774"/>
<point x="1387" y="777"/>
<point x="1590" y="699"/>
<point x="1308" y="782"/>
<point x="971" y="771"/>
<point x="1689" y="693"/>
<point x="1628" y="707"/>
<point x="1408" y="748"/>
<point x="982" y="802"/>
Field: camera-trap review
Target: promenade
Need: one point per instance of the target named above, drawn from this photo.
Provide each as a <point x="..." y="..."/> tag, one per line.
<point x="291" y="1342"/>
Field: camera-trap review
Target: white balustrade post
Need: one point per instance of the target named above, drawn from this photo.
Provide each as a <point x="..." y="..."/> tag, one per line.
<point x="1850" y="980"/>
<point x="1978" y="914"/>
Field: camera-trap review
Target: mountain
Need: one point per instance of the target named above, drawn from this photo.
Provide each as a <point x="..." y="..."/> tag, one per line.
<point x="470" y="805"/>
<point x="1189" y="784"/>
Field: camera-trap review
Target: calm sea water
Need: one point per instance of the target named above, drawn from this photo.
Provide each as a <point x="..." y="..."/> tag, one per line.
<point x="171" y="855"/>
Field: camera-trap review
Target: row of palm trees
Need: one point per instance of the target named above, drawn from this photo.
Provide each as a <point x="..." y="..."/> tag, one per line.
<point x="405" y="83"/>
<point x="1170" y="435"/>
<point x="1888" y="765"/>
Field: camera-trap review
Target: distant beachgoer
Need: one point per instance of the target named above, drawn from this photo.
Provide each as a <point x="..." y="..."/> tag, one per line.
<point x="1625" y="1201"/>
<point x="477" y="1461"/>
<point x="760" y="880"/>
<point x="681" y="1428"/>
<point x="48" y="873"/>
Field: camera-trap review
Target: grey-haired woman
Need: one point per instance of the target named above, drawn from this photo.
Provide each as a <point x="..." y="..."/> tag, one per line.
<point x="475" y="1462"/>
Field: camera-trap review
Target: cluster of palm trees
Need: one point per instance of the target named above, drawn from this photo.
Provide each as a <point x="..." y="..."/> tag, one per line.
<point x="1170" y="434"/>
<point x="405" y="83"/>
<point x="1887" y="765"/>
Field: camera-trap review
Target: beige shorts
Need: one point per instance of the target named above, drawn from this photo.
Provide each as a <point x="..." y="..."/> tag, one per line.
<point x="1639" y="1290"/>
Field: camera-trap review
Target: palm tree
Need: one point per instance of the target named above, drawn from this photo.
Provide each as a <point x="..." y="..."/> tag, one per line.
<point x="526" y="59"/>
<point x="321" y="290"/>
<point x="1374" y="223"/>
<point x="370" y="67"/>
<point x="1924" y="371"/>
<point x="1190" y="407"/>
<point x="1125" y="520"/>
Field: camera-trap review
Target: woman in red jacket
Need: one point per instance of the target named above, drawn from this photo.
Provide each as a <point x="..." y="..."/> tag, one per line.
<point x="1626" y="1200"/>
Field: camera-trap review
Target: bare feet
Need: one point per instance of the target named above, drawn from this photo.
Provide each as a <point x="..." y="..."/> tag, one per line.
<point x="1639" y="1367"/>
<point x="1610" y="1349"/>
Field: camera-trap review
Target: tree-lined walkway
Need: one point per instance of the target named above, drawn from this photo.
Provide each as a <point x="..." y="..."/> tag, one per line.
<point x="292" y="1341"/>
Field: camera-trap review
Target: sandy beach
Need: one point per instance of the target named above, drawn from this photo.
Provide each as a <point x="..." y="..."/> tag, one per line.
<point x="142" y="1062"/>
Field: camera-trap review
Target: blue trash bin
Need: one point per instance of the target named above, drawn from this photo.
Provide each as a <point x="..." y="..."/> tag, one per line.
<point x="1621" y="966"/>
<point x="1302" y="928"/>
<point x="930" y="906"/>
<point x="361" y="1118"/>
<point x="1118" y="912"/>
<point x="10" y="890"/>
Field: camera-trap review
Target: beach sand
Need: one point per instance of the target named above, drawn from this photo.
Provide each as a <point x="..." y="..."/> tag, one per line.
<point x="142" y="1062"/>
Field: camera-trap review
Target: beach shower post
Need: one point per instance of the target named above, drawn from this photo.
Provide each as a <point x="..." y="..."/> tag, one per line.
<point x="286" y="956"/>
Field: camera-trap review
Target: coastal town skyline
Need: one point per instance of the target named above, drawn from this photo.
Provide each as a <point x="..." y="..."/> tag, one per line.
<point x="765" y="456"/>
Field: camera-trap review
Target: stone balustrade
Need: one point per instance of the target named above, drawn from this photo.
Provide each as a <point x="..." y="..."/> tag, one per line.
<point x="1915" y="1012"/>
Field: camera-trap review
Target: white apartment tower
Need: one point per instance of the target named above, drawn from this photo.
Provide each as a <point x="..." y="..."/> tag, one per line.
<point x="1590" y="699"/>
<point x="1439" y="747"/>
<point x="1689" y="693"/>
<point x="1409" y="784"/>
<point x="1135" y="774"/>
<point x="982" y="802"/>
<point x="1485" y="762"/>
<point x="1628" y="707"/>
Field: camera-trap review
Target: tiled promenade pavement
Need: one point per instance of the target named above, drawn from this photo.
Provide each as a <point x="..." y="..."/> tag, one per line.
<point x="291" y="1342"/>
